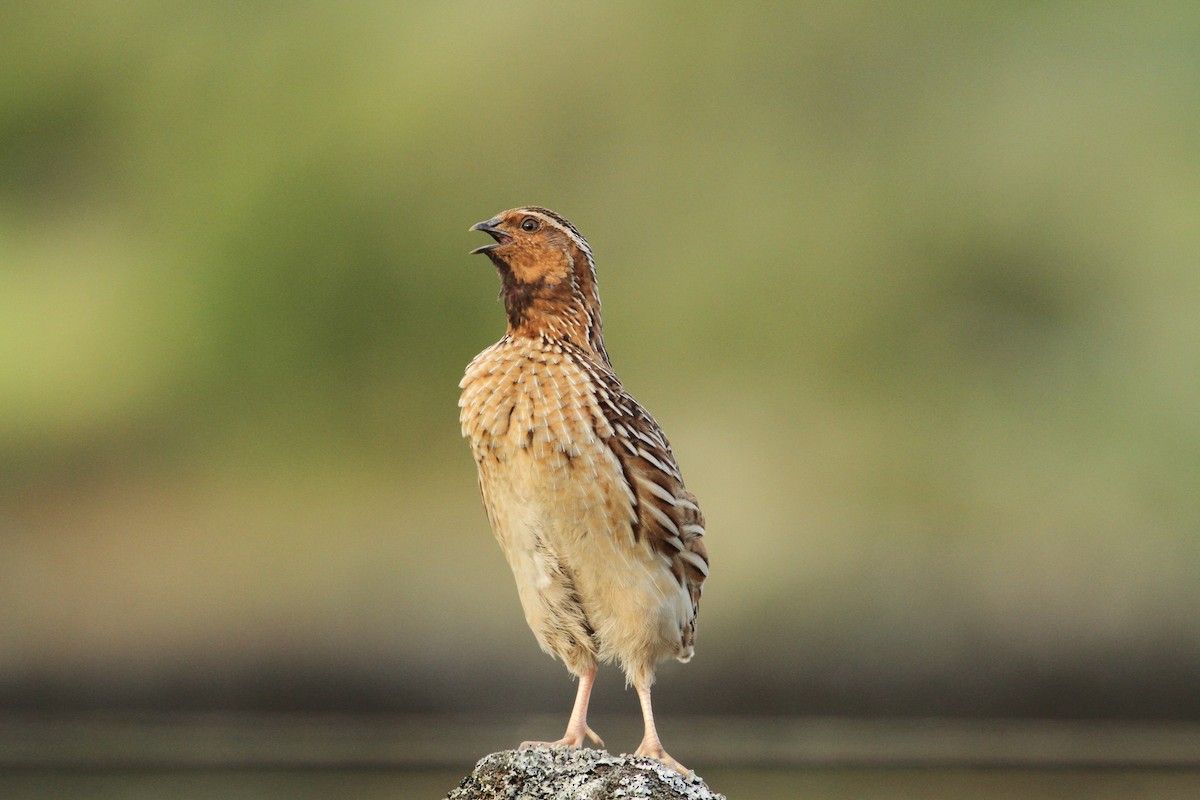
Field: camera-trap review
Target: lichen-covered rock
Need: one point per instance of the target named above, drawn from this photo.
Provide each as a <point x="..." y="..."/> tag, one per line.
<point x="568" y="773"/>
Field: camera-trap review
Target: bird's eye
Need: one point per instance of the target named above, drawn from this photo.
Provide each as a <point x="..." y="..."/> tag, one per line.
<point x="529" y="224"/>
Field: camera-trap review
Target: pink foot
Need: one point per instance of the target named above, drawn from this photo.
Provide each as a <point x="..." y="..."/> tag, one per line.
<point x="656" y="752"/>
<point x="571" y="739"/>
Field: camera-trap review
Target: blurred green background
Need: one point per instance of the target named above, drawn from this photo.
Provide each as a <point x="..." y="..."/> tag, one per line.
<point x="913" y="289"/>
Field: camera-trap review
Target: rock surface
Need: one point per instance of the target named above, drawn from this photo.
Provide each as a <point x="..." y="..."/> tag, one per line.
<point x="568" y="773"/>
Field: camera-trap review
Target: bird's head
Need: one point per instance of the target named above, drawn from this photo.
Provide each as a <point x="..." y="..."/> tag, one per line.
<point x="533" y="244"/>
<point x="547" y="275"/>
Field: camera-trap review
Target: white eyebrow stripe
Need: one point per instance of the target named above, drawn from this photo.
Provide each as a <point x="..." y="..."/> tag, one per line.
<point x="569" y="229"/>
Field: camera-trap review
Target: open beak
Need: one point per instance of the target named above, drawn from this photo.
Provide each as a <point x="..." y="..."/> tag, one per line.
<point x="491" y="228"/>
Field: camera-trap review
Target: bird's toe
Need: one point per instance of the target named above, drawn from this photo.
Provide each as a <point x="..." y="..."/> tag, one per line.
<point x="658" y="754"/>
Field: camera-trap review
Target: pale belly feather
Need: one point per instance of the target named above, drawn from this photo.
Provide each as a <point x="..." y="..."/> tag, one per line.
<point x="559" y="507"/>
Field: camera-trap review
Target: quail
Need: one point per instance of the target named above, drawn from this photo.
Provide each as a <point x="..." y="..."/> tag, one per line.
<point x="578" y="481"/>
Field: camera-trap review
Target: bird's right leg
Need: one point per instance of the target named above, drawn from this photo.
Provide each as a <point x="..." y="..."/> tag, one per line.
<point x="577" y="727"/>
<point x="651" y="745"/>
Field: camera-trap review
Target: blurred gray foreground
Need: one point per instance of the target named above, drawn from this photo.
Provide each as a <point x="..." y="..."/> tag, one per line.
<point x="338" y="742"/>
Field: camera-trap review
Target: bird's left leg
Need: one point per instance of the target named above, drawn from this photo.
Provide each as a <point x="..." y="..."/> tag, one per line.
<point x="651" y="746"/>
<point x="577" y="727"/>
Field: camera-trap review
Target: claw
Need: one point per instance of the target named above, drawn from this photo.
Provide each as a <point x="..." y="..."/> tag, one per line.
<point x="572" y="738"/>
<point x="658" y="754"/>
<point x="591" y="734"/>
<point x="566" y="741"/>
